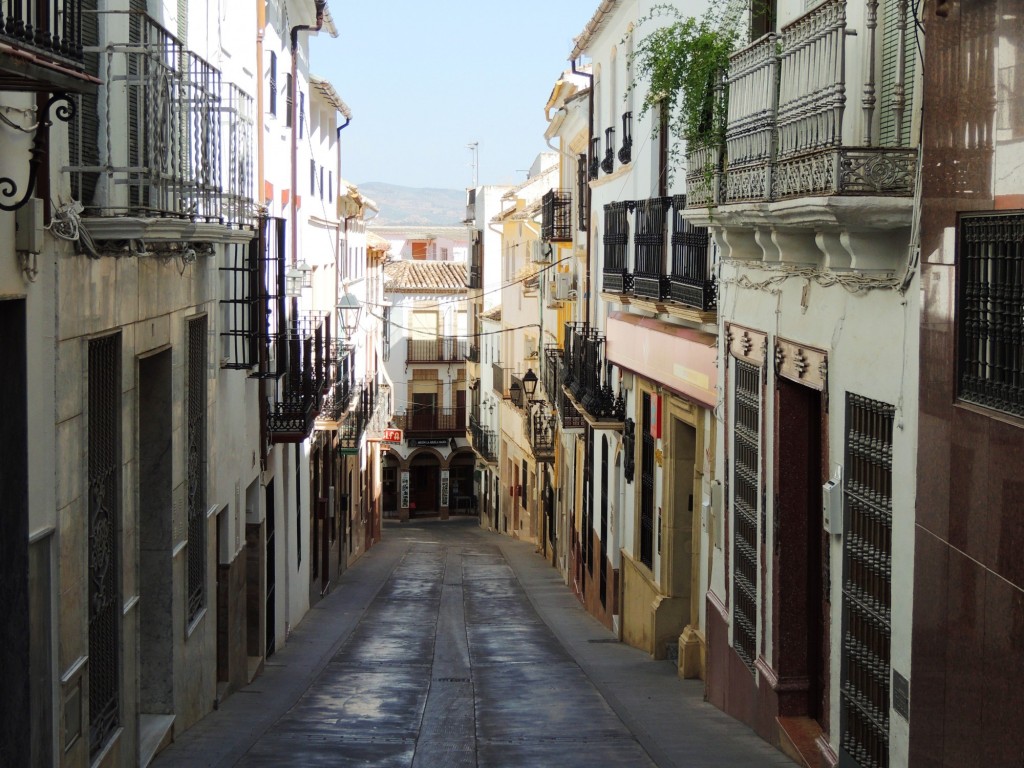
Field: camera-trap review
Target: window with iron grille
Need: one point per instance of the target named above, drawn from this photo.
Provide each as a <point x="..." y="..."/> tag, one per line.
<point x="867" y="582"/>
<point x="241" y="306"/>
<point x="104" y="540"/>
<point x="195" y="464"/>
<point x="616" y="247"/>
<point x="649" y="244"/>
<point x="289" y="98"/>
<point x="692" y="280"/>
<point x="272" y="82"/>
<point x="990" y="281"/>
<point x="746" y="482"/>
<point x="646" y="483"/>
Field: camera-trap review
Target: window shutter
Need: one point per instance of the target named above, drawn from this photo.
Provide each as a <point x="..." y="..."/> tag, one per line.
<point x="890" y="66"/>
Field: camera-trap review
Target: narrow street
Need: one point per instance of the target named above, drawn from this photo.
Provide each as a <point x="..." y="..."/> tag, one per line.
<point x="448" y="645"/>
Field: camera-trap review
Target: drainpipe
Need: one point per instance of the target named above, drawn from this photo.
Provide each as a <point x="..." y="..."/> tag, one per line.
<point x="590" y="210"/>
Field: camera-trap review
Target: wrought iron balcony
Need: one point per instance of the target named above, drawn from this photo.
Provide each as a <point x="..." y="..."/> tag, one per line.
<point x="626" y="150"/>
<point x="556" y="216"/>
<point x="650" y="246"/>
<point x="788" y="133"/>
<point x="586" y="377"/>
<point x="582" y="193"/>
<point x="472" y="353"/>
<point x="155" y="146"/>
<point x="595" y="157"/>
<point x="542" y="424"/>
<point x="553" y="371"/>
<point x="428" y="421"/>
<point x="298" y="394"/>
<point x="608" y="164"/>
<point x="362" y="405"/>
<point x="442" y="349"/>
<point x="692" y="282"/>
<point x="615" y="272"/>
<point x="43" y="46"/>
<point x="484" y="440"/>
<point x="474" y="279"/>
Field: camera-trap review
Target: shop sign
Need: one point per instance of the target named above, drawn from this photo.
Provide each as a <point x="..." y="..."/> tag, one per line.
<point x="404" y="491"/>
<point x="444" y="487"/>
<point x="429" y="442"/>
<point x="392" y="435"/>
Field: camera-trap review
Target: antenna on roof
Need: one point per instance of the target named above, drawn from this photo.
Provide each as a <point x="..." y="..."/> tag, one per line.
<point x="474" y="147"/>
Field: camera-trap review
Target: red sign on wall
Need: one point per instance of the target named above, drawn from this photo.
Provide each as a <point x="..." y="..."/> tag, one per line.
<point x="392" y="435"/>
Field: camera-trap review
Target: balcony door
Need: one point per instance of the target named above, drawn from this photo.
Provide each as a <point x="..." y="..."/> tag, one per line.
<point x="424" y="406"/>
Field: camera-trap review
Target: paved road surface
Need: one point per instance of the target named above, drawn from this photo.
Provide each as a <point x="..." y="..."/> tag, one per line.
<point x="450" y="646"/>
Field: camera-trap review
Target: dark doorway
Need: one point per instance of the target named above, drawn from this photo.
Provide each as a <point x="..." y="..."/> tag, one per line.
<point x="799" y="607"/>
<point x="156" y="654"/>
<point x="271" y="565"/>
<point x="15" y="729"/>
<point x="423" y="485"/>
<point x="423" y="411"/>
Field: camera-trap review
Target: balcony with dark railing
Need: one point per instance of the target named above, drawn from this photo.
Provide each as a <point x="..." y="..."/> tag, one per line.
<point x="556" y="216"/>
<point x="442" y="349"/>
<point x="586" y="378"/>
<point x="626" y="150"/>
<point x="298" y="395"/>
<point x="568" y="416"/>
<point x="340" y="385"/>
<point x="650" y="237"/>
<point x="582" y="192"/>
<point x="483" y="439"/>
<point x="692" y="280"/>
<point x="43" y="46"/>
<point x="183" y="138"/>
<point x="616" y="277"/>
<point x="595" y="157"/>
<point x="542" y="429"/>
<point x="608" y="163"/>
<point x="429" y="421"/>
<point x="364" y="402"/>
<point x="788" y="132"/>
<point x="472" y="353"/>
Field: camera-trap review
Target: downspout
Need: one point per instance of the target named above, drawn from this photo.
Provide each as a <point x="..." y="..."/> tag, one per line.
<point x="590" y="211"/>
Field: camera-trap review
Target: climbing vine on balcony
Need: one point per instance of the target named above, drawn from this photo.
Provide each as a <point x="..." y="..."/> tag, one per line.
<point x="682" y="62"/>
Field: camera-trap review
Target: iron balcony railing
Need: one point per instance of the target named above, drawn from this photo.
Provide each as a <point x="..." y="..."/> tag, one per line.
<point x="169" y="139"/>
<point x="568" y="416"/>
<point x="472" y="353"/>
<point x="585" y="375"/>
<point x="595" y="157"/>
<point x="582" y="192"/>
<point x="615" y="272"/>
<point x="298" y="394"/>
<point x="542" y="424"/>
<point x="787" y="130"/>
<point x="608" y="164"/>
<point x="364" y="408"/>
<point x="556" y="216"/>
<point x="650" y="238"/>
<point x="692" y="280"/>
<point x="474" y="280"/>
<point x="626" y="150"/>
<point x="429" y="421"/>
<point x="340" y="385"/>
<point x="484" y="440"/>
<point x="45" y="39"/>
<point x="439" y="350"/>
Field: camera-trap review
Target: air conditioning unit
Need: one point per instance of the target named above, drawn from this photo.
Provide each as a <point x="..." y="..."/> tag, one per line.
<point x="560" y="287"/>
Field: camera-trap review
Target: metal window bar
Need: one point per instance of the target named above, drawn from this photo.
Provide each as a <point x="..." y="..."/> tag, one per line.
<point x="616" y="277"/>
<point x="440" y="349"/>
<point x="195" y="464"/>
<point x="104" y="547"/>
<point x="556" y="216"/>
<point x="692" y="281"/>
<point x="747" y="491"/>
<point x="52" y="27"/>
<point x="867" y="582"/>
<point x="595" y="157"/>
<point x="991" y="311"/>
<point x="241" y="305"/>
<point x="650" y="235"/>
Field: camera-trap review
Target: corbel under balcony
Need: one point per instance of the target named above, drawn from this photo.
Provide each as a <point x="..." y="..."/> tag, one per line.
<point x="836" y="233"/>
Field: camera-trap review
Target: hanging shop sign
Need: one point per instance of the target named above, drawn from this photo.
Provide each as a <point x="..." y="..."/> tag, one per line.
<point x="392" y="436"/>
<point x="404" y="491"/>
<point x="444" y="487"/>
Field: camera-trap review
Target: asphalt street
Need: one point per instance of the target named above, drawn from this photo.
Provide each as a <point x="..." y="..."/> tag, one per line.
<point x="447" y="645"/>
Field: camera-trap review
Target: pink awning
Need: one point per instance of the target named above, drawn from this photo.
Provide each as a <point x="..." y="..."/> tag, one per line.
<point x="681" y="359"/>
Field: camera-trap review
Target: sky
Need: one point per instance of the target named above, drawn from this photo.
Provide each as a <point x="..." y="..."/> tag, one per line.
<point x="424" y="80"/>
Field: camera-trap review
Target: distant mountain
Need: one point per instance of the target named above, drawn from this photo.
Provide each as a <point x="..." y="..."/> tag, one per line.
<point x="416" y="205"/>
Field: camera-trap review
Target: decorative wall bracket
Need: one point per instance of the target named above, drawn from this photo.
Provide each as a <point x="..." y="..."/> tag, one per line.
<point x="65" y="111"/>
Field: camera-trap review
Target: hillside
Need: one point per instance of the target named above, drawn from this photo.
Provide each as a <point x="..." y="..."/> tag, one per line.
<point x="414" y="205"/>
